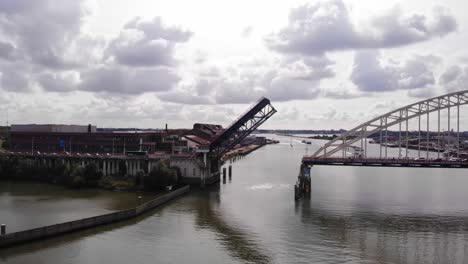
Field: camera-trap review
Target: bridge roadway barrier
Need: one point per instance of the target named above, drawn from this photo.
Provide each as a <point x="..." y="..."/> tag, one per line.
<point x="72" y="226"/>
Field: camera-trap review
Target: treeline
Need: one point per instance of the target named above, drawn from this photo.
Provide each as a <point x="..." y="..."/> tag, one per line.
<point x="88" y="176"/>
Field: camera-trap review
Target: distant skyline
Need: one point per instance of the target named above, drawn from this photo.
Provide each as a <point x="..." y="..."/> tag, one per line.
<point x="323" y="64"/>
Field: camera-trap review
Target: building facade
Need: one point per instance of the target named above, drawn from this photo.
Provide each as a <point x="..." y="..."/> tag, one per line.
<point x="82" y="139"/>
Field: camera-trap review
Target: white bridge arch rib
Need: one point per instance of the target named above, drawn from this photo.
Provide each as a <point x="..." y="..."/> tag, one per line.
<point x="390" y="119"/>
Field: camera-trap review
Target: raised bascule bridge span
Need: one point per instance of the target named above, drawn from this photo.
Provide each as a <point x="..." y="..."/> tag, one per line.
<point x="435" y="144"/>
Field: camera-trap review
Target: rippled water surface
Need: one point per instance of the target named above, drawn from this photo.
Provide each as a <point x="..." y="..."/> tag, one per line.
<point x="354" y="215"/>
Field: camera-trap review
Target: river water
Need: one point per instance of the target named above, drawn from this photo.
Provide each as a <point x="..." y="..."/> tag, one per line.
<point x="354" y="215"/>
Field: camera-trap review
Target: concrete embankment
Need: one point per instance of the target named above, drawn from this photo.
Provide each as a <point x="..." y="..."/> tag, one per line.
<point x="67" y="227"/>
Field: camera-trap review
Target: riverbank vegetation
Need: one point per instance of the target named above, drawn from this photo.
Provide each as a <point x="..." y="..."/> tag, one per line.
<point x="88" y="176"/>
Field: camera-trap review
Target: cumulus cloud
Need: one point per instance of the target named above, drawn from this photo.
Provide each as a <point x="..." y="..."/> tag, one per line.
<point x="139" y="60"/>
<point x="43" y="30"/>
<point x="291" y="78"/>
<point x="372" y="74"/>
<point x="324" y="26"/>
<point x="38" y="40"/>
<point x="147" y="43"/>
<point x="44" y="42"/>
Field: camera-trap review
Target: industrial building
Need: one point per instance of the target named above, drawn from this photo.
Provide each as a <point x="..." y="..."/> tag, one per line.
<point x="83" y="139"/>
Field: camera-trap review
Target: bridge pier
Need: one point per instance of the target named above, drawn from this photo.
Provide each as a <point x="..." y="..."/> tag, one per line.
<point x="302" y="187"/>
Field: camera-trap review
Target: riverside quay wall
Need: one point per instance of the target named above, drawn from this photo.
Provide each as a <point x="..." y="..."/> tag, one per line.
<point x="193" y="169"/>
<point x="11" y="239"/>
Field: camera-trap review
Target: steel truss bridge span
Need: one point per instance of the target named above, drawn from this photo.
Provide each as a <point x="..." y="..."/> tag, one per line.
<point x="399" y="116"/>
<point x="256" y="115"/>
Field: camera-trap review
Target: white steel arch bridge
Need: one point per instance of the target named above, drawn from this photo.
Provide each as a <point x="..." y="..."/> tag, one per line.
<point x="379" y="128"/>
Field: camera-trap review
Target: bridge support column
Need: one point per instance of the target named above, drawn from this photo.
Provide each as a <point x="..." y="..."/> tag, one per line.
<point x="230" y="171"/>
<point x="224" y="175"/>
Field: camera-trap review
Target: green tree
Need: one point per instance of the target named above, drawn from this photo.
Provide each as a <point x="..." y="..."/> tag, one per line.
<point x="161" y="176"/>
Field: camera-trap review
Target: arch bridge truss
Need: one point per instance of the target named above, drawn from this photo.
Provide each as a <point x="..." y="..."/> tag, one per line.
<point x="381" y="124"/>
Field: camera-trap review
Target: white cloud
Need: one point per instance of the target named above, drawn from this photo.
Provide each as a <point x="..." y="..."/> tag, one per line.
<point x="372" y="74"/>
<point x="324" y="26"/>
<point x="147" y="43"/>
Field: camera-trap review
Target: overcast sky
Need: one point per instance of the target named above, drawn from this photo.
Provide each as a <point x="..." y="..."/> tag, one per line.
<point x="323" y="64"/>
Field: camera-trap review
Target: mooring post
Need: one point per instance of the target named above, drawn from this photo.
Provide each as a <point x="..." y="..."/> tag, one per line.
<point x="139" y="200"/>
<point x="3" y="230"/>
<point x="224" y="175"/>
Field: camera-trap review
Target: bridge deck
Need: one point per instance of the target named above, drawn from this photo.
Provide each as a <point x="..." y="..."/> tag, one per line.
<point x="389" y="162"/>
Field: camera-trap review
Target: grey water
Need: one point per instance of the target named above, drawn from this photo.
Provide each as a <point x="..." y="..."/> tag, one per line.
<point x="354" y="215"/>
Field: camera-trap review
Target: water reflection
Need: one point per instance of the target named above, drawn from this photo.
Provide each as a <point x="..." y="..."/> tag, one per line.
<point x="389" y="238"/>
<point x="239" y="243"/>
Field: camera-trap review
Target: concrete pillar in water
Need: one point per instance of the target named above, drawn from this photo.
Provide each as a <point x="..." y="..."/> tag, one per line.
<point x="230" y="171"/>
<point x="224" y="175"/>
<point x="3" y="229"/>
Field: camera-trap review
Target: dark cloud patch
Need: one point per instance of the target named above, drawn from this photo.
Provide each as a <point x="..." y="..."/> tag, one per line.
<point x="147" y="43"/>
<point x="326" y="26"/>
<point x="57" y="82"/>
<point x="17" y="6"/>
<point x="123" y="80"/>
<point x="370" y="74"/>
<point x="7" y="51"/>
<point x="14" y="81"/>
<point x="454" y="78"/>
